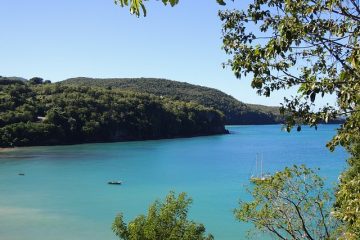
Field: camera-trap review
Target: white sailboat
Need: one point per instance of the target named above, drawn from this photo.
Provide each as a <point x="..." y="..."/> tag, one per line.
<point x="259" y="175"/>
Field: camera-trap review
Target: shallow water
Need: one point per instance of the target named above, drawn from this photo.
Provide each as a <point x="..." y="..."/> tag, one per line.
<point x="64" y="193"/>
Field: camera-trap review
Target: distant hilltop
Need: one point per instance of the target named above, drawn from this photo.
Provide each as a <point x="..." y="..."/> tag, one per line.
<point x="236" y="112"/>
<point x="3" y="79"/>
<point x="37" y="112"/>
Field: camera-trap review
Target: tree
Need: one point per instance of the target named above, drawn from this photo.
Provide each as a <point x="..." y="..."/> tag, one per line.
<point x="36" y="80"/>
<point x="348" y="196"/>
<point x="312" y="45"/>
<point x="136" y="6"/>
<point x="309" y="44"/>
<point x="292" y="204"/>
<point x="164" y="221"/>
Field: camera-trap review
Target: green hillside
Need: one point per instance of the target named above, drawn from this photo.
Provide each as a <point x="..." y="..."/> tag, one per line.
<point x="235" y="111"/>
<point x="42" y="113"/>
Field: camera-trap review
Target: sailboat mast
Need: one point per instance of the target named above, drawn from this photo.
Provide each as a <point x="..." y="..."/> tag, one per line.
<point x="256" y="166"/>
<point x="261" y="163"/>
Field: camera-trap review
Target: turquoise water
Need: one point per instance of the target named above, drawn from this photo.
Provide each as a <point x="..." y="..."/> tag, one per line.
<point x="64" y="193"/>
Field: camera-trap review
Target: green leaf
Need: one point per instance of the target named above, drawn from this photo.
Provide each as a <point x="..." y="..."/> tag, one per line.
<point x="221" y="2"/>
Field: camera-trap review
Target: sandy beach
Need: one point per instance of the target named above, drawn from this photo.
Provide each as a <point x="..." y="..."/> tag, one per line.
<point x="7" y="149"/>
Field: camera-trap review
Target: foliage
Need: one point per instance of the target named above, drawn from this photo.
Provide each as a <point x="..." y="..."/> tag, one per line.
<point x="47" y="114"/>
<point x="10" y="80"/>
<point x="36" y="80"/>
<point x="291" y="204"/>
<point x="235" y="111"/>
<point x="312" y="45"/>
<point x="165" y="221"/>
<point x="348" y="196"/>
<point x="136" y="6"/>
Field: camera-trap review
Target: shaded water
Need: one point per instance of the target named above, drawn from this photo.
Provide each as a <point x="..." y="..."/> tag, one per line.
<point x="64" y="193"/>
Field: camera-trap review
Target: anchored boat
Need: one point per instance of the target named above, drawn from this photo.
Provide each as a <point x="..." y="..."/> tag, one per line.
<point x="259" y="175"/>
<point x="115" y="182"/>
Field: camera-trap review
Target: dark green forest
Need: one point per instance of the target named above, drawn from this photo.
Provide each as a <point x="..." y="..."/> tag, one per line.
<point x="235" y="111"/>
<point x="38" y="112"/>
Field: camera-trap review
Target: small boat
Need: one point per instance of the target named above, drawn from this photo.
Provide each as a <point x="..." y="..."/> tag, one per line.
<point x="115" y="182"/>
<point x="259" y="176"/>
<point x="21" y="174"/>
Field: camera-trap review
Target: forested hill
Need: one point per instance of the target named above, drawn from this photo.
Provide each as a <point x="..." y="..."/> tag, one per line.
<point x="235" y="111"/>
<point x="38" y="112"/>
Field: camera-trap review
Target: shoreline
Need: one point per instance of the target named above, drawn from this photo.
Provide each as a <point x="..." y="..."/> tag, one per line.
<point x="7" y="149"/>
<point x="10" y="149"/>
<point x="226" y="132"/>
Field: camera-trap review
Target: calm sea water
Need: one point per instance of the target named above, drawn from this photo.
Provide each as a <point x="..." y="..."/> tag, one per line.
<point x="64" y="193"/>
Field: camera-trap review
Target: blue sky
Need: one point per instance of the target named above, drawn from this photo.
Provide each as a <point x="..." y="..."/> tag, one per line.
<point x="70" y="38"/>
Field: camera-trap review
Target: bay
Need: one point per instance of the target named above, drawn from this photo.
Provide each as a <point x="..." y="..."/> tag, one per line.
<point x="64" y="193"/>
